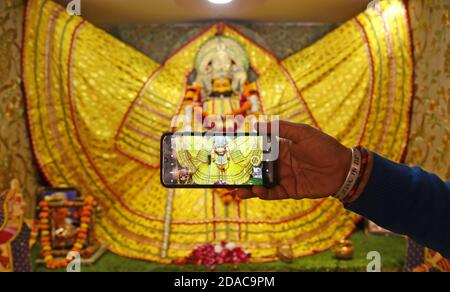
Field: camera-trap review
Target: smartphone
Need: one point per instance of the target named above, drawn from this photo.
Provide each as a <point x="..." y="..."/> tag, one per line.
<point x="216" y="160"/>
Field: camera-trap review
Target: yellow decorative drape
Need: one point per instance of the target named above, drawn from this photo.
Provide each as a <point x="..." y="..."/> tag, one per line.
<point x="96" y="110"/>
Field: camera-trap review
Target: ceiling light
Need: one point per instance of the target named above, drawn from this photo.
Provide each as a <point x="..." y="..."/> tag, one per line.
<point x="220" y="2"/>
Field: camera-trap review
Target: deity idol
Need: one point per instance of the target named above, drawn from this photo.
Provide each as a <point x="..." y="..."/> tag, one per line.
<point x="221" y="157"/>
<point x="14" y="233"/>
<point x="222" y="87"/>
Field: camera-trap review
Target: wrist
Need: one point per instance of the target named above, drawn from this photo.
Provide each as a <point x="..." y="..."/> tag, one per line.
<point x="357" y="176"/>
<point x="344" y="168"/>
<point x="365" y="179"/>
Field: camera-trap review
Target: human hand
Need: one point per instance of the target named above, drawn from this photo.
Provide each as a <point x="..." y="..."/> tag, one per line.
<point x="311" y="165"/>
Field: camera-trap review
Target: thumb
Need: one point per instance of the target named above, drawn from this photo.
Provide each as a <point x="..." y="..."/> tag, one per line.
<point x="287" y="130"/>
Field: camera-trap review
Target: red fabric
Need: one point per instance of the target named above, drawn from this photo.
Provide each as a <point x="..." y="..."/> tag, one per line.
<point x="5" y="237"/>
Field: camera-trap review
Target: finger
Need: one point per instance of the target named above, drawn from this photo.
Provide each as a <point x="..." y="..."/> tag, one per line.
<point x="260" y="192"/>
<point x="286" y="130"/>
<point x="277" y="193"/>
<point x="245" y="194"/>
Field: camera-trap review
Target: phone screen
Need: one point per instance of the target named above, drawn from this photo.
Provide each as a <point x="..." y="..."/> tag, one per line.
<point x="215" y="161"/>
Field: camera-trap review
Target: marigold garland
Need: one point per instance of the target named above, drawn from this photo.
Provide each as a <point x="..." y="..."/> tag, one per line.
<point x="44" y="226"/>
<point x="229" y="196"/>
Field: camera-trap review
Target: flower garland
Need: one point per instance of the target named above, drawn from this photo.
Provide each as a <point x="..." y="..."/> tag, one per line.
<point x="212" y="255"/>
<point x="34" y="234"/>
<point x="86" y="217"/>
<point x="229" y="196"/>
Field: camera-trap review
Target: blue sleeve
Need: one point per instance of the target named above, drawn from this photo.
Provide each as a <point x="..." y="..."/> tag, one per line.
<point x="408" y="201"/>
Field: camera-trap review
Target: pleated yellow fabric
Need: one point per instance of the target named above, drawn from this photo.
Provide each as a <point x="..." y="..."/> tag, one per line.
<point x="85" y="90"/>
<point x="357" y="81"/>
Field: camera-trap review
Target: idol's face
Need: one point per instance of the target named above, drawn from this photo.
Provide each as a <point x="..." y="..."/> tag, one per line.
<point x="220" y="145"/>
<point x="221" y="150"/>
